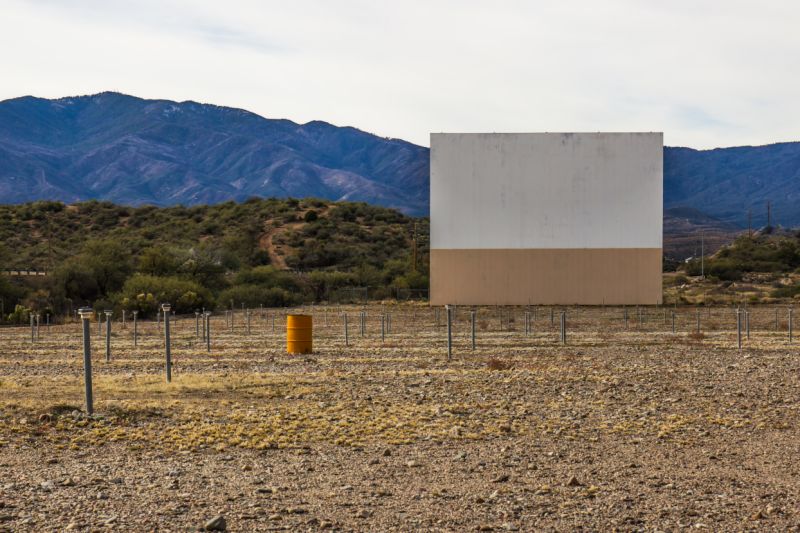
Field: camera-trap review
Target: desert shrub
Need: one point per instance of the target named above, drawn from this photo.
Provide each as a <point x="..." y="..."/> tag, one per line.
<point x="783" y="291"/>
<point x="144" y="293"/>
<point x="20" y="315"/>
<point x="269" y="277"/>
<point x="253" y="296"/>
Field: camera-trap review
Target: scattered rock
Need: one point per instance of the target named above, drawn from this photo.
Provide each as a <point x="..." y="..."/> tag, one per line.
<point x="363" y="513"/>
<point x="47" y="486"/>
<point x="770" y="509"/>
<point x="387" y="452"/>
<point x="502" y="478"/>
<point x="573" y="482"/>
<point x="216" y="524"/>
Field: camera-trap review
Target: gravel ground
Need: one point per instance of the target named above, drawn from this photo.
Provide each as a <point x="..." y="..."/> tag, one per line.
<point x="621" y="429"/>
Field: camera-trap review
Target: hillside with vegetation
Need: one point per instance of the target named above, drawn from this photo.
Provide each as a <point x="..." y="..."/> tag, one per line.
<point x="760" y="268"/>
<point x="260" y="252"/>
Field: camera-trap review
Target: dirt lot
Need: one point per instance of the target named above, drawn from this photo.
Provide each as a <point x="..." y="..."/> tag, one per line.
<point x="626" y="429"/>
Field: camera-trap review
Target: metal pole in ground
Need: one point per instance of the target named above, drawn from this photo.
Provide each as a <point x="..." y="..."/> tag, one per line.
<point x="135" y="332"/>
<point x="123" y="319"/>
<point x="166" y="308"/>
<point x="363" y="319"/>
<point x="346" y="338"/>
<point x="776" y="319"/>
<point x="527" y="322"/>
<point x="86" y="317"/>
<point x="472" y="322"/>
<point x="196" y="325"/>
<point x="449" y="332"/>
<point x="37" y="325"/>
<point x="383" y="327"/>
<point x="673" y="322"/>
<point x="625" y="312"/>
<point x="108" y="336"/>
<point x="563" y="327"/>
<point x="208" y="331"/>
<point x="739" y="327"/>
<point x="33" y="338"/>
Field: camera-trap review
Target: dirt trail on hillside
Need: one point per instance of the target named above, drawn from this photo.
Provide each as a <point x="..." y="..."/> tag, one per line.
<point x="266" y="241"/>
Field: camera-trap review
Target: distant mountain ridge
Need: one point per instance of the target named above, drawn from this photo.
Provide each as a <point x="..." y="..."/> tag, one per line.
<point x="133" y="151"/>
<point x="727" y="182"/>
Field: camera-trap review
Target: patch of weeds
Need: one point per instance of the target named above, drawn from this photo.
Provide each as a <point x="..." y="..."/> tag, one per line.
<point x="498" y="364"/>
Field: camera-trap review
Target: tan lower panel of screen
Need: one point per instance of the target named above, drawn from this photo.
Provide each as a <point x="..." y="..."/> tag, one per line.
<point x="587" y="276"/>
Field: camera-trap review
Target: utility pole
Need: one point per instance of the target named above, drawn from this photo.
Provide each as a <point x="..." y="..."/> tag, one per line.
<point x="769" y="215"/>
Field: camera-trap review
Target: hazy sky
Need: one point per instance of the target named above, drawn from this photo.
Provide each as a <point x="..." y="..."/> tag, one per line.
<point x="707" y="73"/>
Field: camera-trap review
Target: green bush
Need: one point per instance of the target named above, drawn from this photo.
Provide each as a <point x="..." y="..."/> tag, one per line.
<point x="20" y="315"/>
<point x="252" y="296"/>
<point x="145" y="293"/>
<point x="270" y="277"/>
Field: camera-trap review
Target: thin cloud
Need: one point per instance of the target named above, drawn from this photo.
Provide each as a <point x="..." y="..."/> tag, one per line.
<point x="705" y="76"/>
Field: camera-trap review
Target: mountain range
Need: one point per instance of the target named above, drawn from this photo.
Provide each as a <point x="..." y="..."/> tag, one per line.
<point x="134" y="151"/>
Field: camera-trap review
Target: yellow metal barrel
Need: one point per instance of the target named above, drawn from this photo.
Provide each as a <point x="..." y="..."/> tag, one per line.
<point x="298" y="333"/>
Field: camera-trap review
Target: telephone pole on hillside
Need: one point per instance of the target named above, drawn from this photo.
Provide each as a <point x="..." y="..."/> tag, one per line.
<point x="769" y="215"/>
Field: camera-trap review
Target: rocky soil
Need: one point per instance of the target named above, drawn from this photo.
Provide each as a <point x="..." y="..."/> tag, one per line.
<point x="621" y="429"/>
